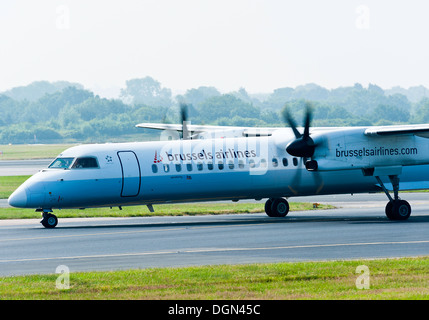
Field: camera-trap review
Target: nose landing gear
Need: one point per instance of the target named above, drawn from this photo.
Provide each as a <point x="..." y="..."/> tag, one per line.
<point x="49" y="220"/>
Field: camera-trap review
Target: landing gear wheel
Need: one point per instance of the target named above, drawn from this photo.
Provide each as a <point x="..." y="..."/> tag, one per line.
<point x="49" y="220"/>
<point x="268" y="211"/>
<point x="389" y="210"/>
<point x="398" y="210"/>
<point x="279" y="207"/>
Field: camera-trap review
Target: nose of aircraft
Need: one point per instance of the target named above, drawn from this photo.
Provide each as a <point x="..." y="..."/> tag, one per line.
<point x="18" y="198"/>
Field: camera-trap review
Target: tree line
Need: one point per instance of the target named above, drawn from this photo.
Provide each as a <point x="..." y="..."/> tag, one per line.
<point x="60" y="112"/>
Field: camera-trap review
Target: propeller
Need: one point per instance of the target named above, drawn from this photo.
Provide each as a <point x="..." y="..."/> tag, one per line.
<point x="184" y="121"/>
<point x="303" y="146"/>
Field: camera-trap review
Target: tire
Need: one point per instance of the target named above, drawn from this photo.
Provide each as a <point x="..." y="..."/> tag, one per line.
<point x="401" y="210"/>
<point x="279" y="207"/>
<point x="389" y="210"/>
<point x="398" y="210"/>
<point x="49" y="221"/>
<point x="268" y="211"/>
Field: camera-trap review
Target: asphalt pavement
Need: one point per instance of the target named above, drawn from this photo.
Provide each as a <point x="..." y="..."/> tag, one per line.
<point x="124" y="243"/>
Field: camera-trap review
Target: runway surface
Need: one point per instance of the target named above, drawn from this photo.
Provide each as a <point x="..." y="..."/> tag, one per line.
<point x="359" y="229"/>
<point x="22" y="167"/>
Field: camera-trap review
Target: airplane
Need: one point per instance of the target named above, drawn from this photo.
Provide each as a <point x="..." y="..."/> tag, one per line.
<point x="233" y="163"/>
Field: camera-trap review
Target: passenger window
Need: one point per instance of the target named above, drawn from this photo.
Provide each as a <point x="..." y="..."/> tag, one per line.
<point x="200" y="166"/>
<point x="252" y="163"/>
<point x="85" y="163"/>
<point x="231" y="164"/>
<point x="275" y="162"/>
<point x="285" y="162"/>
<point x="263" y="163"/>
<point x="154" y="168"/>
<point x="220" y="165"/>
<point x="295" y="161"/>
<point x="189" y="166"/>
<point x="178" y="167"/>
<point x="241" y="164"/>
<point x="166" y="168"/>
<point x="210" y="165"/>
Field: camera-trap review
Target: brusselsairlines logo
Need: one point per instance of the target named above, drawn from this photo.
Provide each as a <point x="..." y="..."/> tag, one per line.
<point x="157" y="159"/>
<point x="203" y="155"/>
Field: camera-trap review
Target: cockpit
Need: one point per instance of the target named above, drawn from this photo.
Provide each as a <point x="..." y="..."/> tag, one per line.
<point x="74" y="163"/>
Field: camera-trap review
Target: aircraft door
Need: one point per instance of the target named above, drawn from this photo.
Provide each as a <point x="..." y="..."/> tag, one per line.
<point x="131" y="174"/>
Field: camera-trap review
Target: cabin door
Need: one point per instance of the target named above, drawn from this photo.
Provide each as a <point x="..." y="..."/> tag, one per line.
<point x="131" y="174"/>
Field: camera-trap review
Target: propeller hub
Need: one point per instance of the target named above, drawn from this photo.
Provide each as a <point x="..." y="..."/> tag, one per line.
<point x="302" y="147"/>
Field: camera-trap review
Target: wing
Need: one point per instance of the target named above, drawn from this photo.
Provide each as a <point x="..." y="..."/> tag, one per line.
<point x="202" y="129"/>
<point x="421" y="130"/>
<point x="179" y="127"/>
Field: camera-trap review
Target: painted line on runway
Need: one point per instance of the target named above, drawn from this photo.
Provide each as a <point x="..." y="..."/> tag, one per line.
<point x="210" y="250"/>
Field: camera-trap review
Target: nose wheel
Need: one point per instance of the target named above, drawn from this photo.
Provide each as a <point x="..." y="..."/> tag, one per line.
<point x="49" y="220"/>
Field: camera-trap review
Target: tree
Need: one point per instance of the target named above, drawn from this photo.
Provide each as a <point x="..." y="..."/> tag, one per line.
<point x="391" y="113"/>
<point x="69" y="96"/>
<point x="422" y="112"/>
<point x="227" y="105"/>
<point x="146" y="91"/>
<point x="197" y="96"/>
<point x="37" y="89"/>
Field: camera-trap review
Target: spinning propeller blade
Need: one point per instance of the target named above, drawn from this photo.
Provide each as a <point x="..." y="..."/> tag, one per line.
<point x="303" y="146"/>
<point x="184" y="120"/>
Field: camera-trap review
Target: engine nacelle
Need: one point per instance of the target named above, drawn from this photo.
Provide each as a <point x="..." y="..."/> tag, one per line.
<point x="352" y="149"/>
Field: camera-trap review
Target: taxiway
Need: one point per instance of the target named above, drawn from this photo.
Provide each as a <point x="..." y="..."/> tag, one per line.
<point x="351" y="232"/>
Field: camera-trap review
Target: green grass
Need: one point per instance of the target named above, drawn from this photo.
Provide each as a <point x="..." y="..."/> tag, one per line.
<point x="31" y="151"/>
<point x="406" y="278"/>
<point x="180" y="209"/>
<point x="9" y="183"/>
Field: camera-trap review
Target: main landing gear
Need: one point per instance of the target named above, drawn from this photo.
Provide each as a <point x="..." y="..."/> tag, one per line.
<point x="396" y="209"/>
<point x="277" y="207"/>
<point x="49" y="220"/>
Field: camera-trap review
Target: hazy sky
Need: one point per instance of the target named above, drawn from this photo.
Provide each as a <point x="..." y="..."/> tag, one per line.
<point x="258" y="45"/>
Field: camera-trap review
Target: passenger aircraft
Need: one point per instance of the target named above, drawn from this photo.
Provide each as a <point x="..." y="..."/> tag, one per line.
<point x="225" y="163"/>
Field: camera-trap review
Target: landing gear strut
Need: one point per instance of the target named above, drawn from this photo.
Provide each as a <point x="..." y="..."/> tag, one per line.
<point x="277" y="207"/>
<point x="49" y="220"/>
<point x="396" y="209"/>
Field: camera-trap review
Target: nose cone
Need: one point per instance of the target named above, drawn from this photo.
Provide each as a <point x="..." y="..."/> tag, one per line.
<point x="18" y="198"/>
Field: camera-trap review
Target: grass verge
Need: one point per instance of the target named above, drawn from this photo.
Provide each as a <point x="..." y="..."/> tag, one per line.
<point x="181" y="209"/>
<point x="31" y="151"/>
<point x="8" y="184"/>
<point x="405" y="278"/>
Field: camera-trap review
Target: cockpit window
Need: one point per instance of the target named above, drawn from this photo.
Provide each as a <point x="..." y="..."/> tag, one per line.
<point x="84" y="163"/>
<point x="61" y="163"/>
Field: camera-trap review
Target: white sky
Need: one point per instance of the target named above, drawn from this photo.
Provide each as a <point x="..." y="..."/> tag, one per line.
<point x="258" y="45"/>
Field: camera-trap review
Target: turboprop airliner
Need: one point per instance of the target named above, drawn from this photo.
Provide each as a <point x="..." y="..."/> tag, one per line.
<point x="223" y="163"/>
